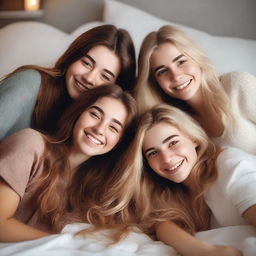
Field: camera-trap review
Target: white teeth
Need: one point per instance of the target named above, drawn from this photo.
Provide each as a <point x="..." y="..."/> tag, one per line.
<point x="180" y="87"/>
<point x="98" y="142"/>
<point x="175" y="166"/>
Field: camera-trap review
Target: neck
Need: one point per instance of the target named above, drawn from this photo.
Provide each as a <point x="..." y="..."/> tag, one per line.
<point x="75" y="159"/>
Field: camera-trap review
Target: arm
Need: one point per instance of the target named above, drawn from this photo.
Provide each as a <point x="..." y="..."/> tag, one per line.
<point x="188" y="245"/>
<point x="12" y="230"/>
<point x="250" y="215"/>
<point x="18" y="95"/>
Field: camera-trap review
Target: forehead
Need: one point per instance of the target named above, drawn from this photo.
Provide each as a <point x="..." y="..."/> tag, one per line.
<point x="164" y="52"/>
<point x="105" y="58"/>
<point x="157" y="133"/>
<point x="112" y="108"/>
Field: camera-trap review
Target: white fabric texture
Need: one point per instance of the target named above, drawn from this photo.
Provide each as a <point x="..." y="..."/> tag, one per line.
<point x="234" y="191"/>
<point x="136" y="244"/>
<point x="226" y="53"/>
<point x="241" y="89"/>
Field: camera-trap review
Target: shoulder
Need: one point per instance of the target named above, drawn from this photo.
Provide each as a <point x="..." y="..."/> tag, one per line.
<point x="25" y="78"/>
<point x="233" y="153"/>
<point x="231" y="157"/>
<point x="237" y="78"/>
<point x="24" y="140"/>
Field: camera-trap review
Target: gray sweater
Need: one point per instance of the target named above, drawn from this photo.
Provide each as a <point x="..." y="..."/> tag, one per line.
<point x="18" y="95"/>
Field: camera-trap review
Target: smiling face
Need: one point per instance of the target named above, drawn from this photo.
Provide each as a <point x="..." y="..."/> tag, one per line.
<point x="99" y="128"/>
<point x="169" y="152"/>
<point x="99" y="66"/>
<point x="176" y="74"/>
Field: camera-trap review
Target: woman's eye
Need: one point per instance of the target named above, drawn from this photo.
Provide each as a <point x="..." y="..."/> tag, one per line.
<point x="174" y="142"/>
<point x="113" y="128"/>
<point x="161" y="72"/>
<point x="95" y="115"/>
<point x="151" y="154"/>
<point x="86" y="63"/>
<point x="180" y="62"/>
<point x="105" y="77"/>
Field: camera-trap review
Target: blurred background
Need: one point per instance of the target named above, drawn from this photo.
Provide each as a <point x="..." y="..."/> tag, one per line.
<point x="234" y="18"/>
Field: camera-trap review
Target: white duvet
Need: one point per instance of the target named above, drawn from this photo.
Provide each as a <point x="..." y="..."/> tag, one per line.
<point x="66" y="244"/>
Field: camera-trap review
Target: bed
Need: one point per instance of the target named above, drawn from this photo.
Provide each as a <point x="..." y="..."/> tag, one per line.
<point x="39" y="43"/>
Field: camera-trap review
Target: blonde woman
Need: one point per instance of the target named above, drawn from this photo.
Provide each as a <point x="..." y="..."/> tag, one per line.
<point x="184" y="178"/>
<point x="173" y="69"/>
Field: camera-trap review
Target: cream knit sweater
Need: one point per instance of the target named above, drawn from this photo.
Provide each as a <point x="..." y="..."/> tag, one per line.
<point x="241" y="88"/>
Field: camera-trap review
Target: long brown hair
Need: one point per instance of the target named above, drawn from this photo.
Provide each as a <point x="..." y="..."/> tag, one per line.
<point x="53" y="97"/>
<point x="59" y="189"/>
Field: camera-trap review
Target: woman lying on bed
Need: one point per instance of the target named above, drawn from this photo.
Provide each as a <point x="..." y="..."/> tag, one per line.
<point x="184" y="178"/>
<point x="173" y="69"/>
<point x="46" y="182"/>
<point x="34" y="96"/>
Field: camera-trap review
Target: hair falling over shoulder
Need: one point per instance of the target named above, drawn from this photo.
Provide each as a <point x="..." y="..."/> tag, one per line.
<point x="157" y="199"/>
<point x="53" y="97"/>
<point x="65" y="195"/>
<point x="149" y="92"/>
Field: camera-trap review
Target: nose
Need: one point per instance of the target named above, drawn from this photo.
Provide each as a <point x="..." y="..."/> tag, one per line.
<point x="90" y="77"/>
<point x="99" y="128"/>
<point x="175" y="73"/>
<point x="165" y="157"/>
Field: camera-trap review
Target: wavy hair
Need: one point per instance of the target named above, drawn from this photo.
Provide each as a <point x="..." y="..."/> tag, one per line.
<point x="53" y="97"/>
<point x="62" y="193"/>
<point x="157" y="199"/>
<point x="147" y="91"/>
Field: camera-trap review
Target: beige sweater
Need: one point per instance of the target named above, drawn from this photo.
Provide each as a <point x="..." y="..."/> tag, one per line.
<point x="241" y="88"/>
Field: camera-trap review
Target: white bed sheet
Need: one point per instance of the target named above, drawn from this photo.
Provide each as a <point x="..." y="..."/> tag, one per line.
<point x="66" y="244"/>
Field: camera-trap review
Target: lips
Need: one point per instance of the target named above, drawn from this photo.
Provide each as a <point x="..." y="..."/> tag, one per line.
<point x="81" y="86"/>
<point x="174" y="167"/>
<point x="183" y="85"/>
<point x="94" y="139"/>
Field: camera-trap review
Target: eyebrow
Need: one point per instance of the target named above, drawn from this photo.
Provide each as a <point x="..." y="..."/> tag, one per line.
<point x="94" y="62"/>
<point x="175" y="59"/>
<point x="103" y="113"/>
<point x="163" y="142"/>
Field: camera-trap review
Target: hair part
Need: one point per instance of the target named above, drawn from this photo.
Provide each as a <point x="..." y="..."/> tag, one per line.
<point x="158" y="199"/>
<point x="150" y="93"/>
<point x="60" y="194"/>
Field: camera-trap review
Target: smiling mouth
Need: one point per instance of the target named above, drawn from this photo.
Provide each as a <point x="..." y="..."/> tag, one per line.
<point x="184" y="85"/>
<point x="94" y="139"/>
<point x="82" y="87"/>
<point x="175" y="167"/>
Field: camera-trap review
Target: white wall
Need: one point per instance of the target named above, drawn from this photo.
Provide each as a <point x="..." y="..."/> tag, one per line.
<point x="219" y="17"/>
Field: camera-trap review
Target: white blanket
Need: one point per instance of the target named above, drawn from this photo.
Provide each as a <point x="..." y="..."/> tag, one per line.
<point x="66" y="244"/>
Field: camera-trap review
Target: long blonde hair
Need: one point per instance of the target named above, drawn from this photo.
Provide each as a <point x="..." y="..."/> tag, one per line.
<point x="157" y="199"/>
<point x="147" y="91"/>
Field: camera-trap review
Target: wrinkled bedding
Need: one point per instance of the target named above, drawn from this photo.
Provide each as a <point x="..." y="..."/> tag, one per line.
<point x="66" y="244"/>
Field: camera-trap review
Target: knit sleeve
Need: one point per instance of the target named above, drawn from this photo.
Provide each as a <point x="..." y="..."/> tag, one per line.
<point x="19" y="158"/>
<point x="241" y="88"/>
<point x="18" y="95"/>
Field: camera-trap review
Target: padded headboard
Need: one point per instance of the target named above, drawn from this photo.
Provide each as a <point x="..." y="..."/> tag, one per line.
<point x="235" y="18"/>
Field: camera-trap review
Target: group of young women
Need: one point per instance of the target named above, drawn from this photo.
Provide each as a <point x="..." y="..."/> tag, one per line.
<point x="175" y="158"/>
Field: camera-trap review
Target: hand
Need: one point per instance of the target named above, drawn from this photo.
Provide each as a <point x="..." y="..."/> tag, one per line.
<point x="224" y="251"/>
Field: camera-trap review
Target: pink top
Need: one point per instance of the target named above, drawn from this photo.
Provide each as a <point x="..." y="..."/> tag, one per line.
<point x="19" y="166"/>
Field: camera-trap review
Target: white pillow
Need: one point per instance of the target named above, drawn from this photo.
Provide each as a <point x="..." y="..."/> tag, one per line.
<point x="34" y="43"/>
<point x="226" y="53"/>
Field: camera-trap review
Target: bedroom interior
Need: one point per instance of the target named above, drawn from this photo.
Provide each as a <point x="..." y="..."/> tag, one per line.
<point x="40" y="31"/>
